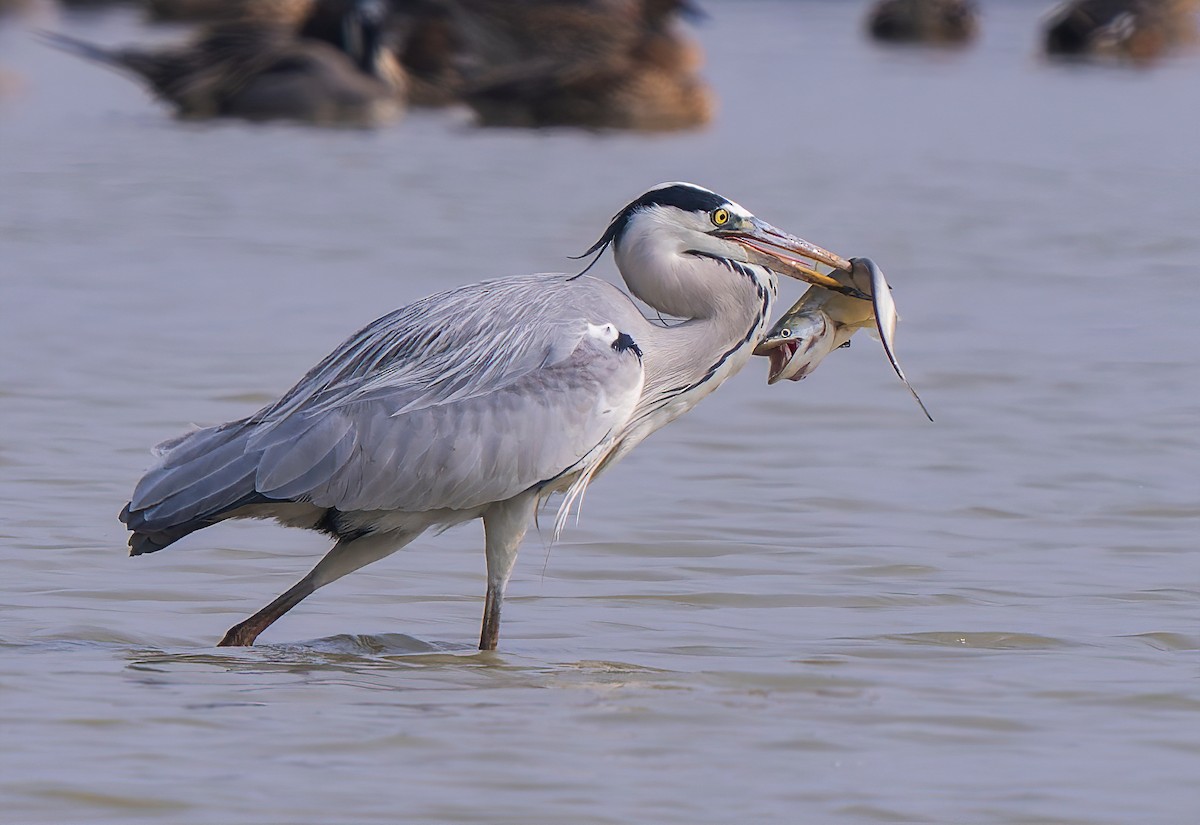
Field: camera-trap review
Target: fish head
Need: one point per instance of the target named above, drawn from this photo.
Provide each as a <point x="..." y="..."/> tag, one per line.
<point x="797" y="343"/>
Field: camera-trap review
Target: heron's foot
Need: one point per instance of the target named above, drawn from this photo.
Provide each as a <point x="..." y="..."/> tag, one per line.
<point x="244" y="633"/>
<point x="240" y="635"/>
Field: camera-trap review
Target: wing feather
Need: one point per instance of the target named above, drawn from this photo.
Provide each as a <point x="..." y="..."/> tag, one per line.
<point x="300" y="445"/>
<point x="200" y="470"/>
<point x="492" y="410"/>
<point x="290" y="471"/>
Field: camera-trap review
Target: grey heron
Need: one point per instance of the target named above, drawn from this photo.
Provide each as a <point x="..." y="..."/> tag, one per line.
<point x="482" y="401"/>
<point x="260" y="70"/>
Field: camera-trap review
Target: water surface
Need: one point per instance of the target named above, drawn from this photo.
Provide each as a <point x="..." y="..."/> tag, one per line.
<point x="802" y="603"/>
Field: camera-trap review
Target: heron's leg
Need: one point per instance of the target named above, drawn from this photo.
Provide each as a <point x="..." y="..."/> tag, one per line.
<point x="504" y="527"/>
<point x="244" y="633"/>
<point x="345" y="557"/>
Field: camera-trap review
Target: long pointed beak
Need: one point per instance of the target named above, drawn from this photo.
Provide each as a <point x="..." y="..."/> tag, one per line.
<point x="794" y="257"/>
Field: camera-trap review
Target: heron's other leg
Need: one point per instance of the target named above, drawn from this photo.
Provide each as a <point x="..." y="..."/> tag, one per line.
<point x="504" y="527"/>
<point x="345" y="557"/>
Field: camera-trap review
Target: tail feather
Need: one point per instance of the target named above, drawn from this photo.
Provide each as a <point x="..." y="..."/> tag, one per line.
<point x="160" y="70"/>
<point x="149" y="542"/>
<point x="218" y="465"/>
<point x="207" y="497"/>
<point x="81" y="48"/>
<point x="198" y="479"/>
<point x="147" y="537"/>
<point x="184" y="448"/>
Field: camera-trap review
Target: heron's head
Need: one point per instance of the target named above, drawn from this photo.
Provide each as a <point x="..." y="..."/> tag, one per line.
<point x="670" y="230"/>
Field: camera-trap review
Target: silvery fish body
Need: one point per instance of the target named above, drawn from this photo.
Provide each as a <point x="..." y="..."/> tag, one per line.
<point x="820" y="322"/>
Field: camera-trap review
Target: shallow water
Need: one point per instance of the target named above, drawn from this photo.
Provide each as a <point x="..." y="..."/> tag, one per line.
<point x="802" y="603"/>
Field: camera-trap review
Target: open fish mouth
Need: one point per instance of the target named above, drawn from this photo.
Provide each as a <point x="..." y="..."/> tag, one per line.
<point x="798" y="343"/>
<point x="780" y="356"/>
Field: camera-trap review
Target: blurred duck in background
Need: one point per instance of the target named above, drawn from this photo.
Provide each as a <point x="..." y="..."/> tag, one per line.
<point x="292" y="12"/>
<point x="938" y="22"/>
<point x="1136" y="30"/>
<point x="312" y="69"/>
<point x="321" y="19"/>
<point x="600" y="64"/>
<point x="429" y="48"/>
<point x="91" y="5"/>
<point x="16" y="7"/>
<point x="11" y="84"/>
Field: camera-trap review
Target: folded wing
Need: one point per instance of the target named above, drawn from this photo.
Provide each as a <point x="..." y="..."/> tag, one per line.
<point x="453" y="402"/>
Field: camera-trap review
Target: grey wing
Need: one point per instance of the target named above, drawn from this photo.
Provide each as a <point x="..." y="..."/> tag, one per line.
<point x="459" y="400"/>
<point x="381" y="452"/>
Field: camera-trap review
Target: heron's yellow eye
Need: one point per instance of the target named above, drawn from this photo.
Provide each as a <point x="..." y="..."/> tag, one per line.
<point x="720" y="217"/>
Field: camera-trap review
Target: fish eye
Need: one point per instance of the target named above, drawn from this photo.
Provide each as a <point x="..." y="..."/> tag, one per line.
<point x="720" y="216"/>
<point x="785" y="333"/>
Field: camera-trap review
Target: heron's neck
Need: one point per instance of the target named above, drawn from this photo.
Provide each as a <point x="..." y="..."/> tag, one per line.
<point x="728" y="307"/>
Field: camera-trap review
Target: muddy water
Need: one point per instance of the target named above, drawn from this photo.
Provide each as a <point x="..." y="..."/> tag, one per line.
<point x="802" y="603"/>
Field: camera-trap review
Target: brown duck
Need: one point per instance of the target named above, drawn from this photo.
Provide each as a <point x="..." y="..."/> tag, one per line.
<point x="943" y="22"/>
<point x="225" y="11"/>
<point x="1137" y="30"/>
<point x="602" y="64"/>
<point x="264" y="71"/>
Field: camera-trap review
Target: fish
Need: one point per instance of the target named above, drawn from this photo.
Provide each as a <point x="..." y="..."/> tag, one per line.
<point x="820" y="322"/>
<point x="824" y="320"/>
<point x="799" y="342"/>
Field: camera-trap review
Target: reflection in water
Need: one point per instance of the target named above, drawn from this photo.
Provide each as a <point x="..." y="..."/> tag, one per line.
<point x="798" y="603"/>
